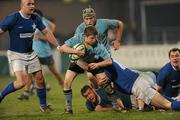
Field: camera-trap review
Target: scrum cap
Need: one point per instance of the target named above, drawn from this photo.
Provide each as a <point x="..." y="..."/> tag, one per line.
<point x="87" y="12"/>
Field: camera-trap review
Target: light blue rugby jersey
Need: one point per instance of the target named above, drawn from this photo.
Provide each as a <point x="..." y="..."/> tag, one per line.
<point x="102" y="26"/>
<point x="98" y="49"/>
<point x="42" y="47"/>
<point x="21" y="31"/>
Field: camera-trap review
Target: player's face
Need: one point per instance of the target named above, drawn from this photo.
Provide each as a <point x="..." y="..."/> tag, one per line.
<point x="90" y="95"/>
<point x="175" y="59"/>
<point x="90" y="20"/>
<point x="27" y="6"/>
<point x="91" y="39"/>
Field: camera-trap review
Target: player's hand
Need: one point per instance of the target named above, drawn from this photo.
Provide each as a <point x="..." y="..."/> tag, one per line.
<point x="116" y="45"/>
<point x="93" y="66"/>
<point x="80" y="52"/>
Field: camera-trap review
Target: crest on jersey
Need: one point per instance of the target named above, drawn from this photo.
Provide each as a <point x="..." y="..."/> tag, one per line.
<point x="34" y="26"/>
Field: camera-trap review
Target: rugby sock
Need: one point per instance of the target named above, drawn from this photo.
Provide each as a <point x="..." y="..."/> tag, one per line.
<point x="68" y="99"/>
<point x="8" y="89"/>
<point x="175" y="105"/>
<point x="41" y="93"/>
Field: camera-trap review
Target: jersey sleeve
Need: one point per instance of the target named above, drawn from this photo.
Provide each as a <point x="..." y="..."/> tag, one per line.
<point x="74" y="40"/>
<point x="40" y="24"/>
<point x="111" y="23"/>
<point x="80" y="29"/>
<point x="8" y="22"/>
<point x="90" y="106"/>
<point x="102" y="52"/>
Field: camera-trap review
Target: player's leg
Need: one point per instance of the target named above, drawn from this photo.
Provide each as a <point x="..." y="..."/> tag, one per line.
<point x="26" y="93"/>
<point x="34" y="68"/>
<point x="71" y="73"/>
<point x="159" y="101"/>
<point x="18" y="68"/>
<point x="92" y="79"/>
<point x="20" y="82"/>
<point x="53" y="69"/>
<point x="69" y="77"/>
<point x="143" y="88"/>
<point x="41" y="91"/>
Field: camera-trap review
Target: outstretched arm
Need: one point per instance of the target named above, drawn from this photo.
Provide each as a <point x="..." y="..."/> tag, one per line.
<point x="51" y="38"/>
<point x="119" y="35"/>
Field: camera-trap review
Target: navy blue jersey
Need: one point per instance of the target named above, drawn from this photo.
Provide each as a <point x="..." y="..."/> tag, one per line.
<point x="169" y="80"/>
<point x="123" y="77"/>
<point x="105" y="100"/>
<point x="21" y="31"/>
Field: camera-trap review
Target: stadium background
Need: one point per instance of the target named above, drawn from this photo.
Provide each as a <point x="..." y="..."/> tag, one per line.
<point x="152" y="27"/>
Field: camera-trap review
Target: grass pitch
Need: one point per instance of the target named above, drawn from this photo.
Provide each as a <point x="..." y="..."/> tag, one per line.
<point x="13" y="109"/>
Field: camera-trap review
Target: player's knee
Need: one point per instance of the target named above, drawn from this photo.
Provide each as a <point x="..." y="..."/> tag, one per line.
<point x="38" y="76"/>
<point x="22" y="81"/>
<point x="67" y="84"/>
<point x="39" y="79"/>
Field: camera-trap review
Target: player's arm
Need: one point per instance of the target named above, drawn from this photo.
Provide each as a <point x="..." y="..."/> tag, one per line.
<point x="99" y="108"/>
<point x="39" y="36"/>
<point x="65" y="48"/>
<point x="103" y="53"/>
<point x="51" y="38"/>
<point x="104" y="63"/>
<point x="161" y="79"/>
<point x="120" y="27"/>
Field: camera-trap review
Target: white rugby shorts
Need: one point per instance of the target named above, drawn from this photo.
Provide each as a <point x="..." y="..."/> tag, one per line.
<point x="24" y="61"/>
<point x="143" y="88"/>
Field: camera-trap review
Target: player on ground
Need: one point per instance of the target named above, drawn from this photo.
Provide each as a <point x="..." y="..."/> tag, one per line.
<point x="168" y="80"/>
<point x="98" y="100"/>
<point x="139" y="85"/>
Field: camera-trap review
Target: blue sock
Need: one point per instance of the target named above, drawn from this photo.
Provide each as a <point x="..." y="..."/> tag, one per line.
<point x="175" y="105"/>
<point x="8" y="89"/>
<point x="41" y="93"/>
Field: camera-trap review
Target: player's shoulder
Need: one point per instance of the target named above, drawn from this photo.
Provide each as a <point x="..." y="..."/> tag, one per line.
<point x="14" y="14"/>
<point x="167" y="67"/>
<point x="81" y="26"/>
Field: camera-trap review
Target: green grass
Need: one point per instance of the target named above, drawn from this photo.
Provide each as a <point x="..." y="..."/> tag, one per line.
<point x="11" y="108"/>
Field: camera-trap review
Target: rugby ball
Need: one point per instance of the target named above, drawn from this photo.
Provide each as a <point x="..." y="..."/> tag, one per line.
<point x="74" y="57"/>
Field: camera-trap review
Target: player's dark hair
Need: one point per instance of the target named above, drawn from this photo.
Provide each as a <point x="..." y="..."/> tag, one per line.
<point x="90" y="30"/>
<point x="84" y="89"/>
<point x="174" y="50"/>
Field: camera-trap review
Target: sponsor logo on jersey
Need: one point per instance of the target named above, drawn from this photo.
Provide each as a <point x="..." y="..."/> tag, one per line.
<point x="26" y="35"/>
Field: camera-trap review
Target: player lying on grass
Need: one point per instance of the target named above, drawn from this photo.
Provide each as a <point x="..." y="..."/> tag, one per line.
<point x="168" y="80"/>
<point x="138" y="84"/>
<point x="98" y="100"/>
